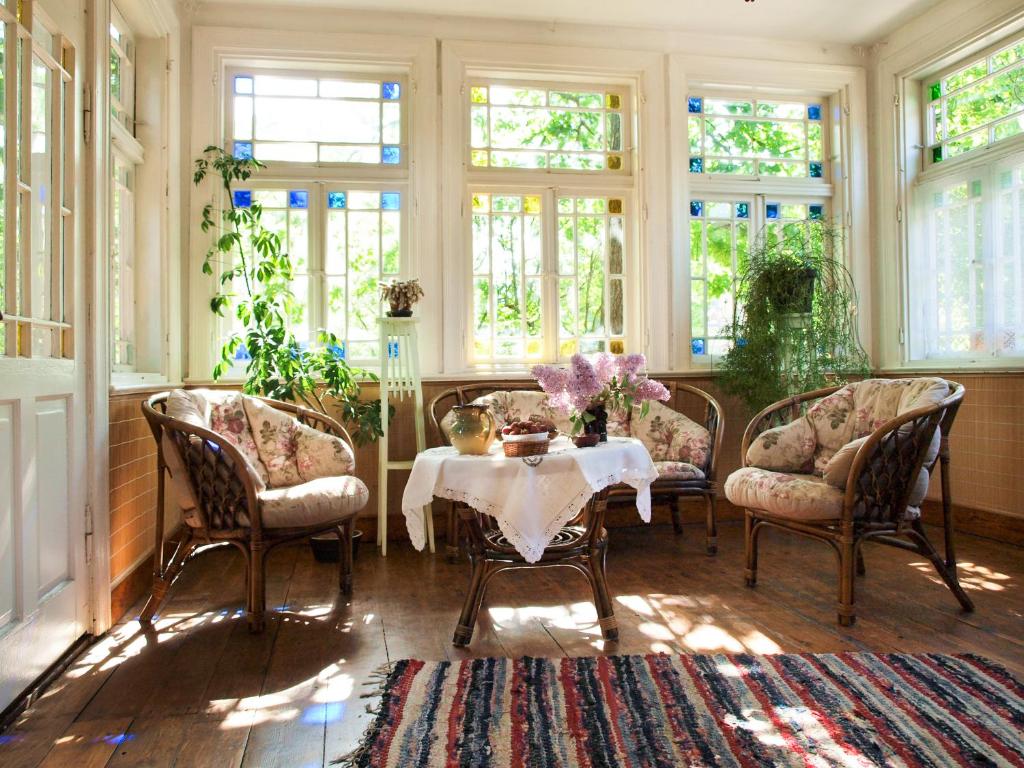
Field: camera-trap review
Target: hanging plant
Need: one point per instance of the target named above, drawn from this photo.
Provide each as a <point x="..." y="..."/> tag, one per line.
<point x="254" y="284"/>
<point x="794" y="323"/>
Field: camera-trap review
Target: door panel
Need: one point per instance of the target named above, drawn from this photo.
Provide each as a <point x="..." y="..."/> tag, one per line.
<point x="52" y="533"/>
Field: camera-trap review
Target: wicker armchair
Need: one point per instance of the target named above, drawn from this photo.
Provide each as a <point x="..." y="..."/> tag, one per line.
<point x="224" y="501"/>
<point x="669" y="488"/>
<point x="875" y="500"/>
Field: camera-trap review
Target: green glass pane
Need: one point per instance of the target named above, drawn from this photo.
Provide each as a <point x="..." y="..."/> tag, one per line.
<point x="936" y="154"/>
<point x="935" y="91"/>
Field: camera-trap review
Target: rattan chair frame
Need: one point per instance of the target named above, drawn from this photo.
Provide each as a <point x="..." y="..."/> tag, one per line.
<point x="877" y="488"/>
<point x="227" y="512"/>
<point x="664" y="490"/>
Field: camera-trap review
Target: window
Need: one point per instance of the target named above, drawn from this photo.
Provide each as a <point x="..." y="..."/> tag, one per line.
<point x="336" y="276"/>
<point x="550" y="263"/>
<point x="756" y="137"/>
<point x="125" y="156"/>
<point x="317" y="119"/>
<point x="967" y="267"/>
<point x="738" y="144"/>
<point x="35" y="216"/>
<point x="344" y="229"/>
<point x="977" y="105"/>
<point x="520" y="126"/>
<point x="966" y="255"/>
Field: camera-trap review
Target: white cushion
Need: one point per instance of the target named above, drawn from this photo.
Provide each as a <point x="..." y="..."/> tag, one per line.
<point x="317" y="502"/>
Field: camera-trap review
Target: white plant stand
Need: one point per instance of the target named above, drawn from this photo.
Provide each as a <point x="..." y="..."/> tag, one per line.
<point x="399" y="376"/>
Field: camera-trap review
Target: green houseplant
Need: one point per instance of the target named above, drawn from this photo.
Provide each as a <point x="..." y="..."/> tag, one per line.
<point x="254" y="277"/>
<point x="794" y="323"/>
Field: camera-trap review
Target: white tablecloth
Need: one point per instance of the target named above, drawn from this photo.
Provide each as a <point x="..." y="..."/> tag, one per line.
<point x="531" y="498"/>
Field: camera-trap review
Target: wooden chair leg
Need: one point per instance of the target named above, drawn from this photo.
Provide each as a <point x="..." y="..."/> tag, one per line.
<point x="947" y="506"/>
<point x="946" y="572"/>
<point x="602" y="600"/>
<point x="711" y="535"/>
<point x="257" y="606"/>
<point x="471" y="607"/>
<point x="451" y="547"/>
<point x="847" y="570"/>
<point x="162" y="580"/>
<point x="345" y="557"/>
<point x="750" y="533"/>
<point x="677" y="520"/>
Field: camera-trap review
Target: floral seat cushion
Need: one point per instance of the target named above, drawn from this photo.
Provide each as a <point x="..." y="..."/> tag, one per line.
<point x="786" y="494"/>
<point x="315" y="502"/>
<point x="671" y="436"/>
<point x="678" y="470"/>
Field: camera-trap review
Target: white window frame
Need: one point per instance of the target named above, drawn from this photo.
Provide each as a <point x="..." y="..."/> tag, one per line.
<point x="465" y="63"/>
<point x="842" y="92"/>
<point x="216" y="50"/>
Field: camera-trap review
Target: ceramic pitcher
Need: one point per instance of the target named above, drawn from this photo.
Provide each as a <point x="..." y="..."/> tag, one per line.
<point x="474" y="429"/>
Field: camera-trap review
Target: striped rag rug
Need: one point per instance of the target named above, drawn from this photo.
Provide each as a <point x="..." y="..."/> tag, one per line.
<point x="850" y="709"/>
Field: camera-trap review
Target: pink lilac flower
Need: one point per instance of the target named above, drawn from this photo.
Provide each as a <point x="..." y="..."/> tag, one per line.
<point x="606" y="367"/>
<point x="630" y="366"/>
<point x="584" y="384"/>
<point x="649" y="389"/>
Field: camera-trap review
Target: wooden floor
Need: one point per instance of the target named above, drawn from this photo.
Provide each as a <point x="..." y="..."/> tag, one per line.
<point x="201" y="691"/>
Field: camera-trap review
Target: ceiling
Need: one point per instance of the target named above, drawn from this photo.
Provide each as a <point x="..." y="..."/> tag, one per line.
<point x="828" y="21"/>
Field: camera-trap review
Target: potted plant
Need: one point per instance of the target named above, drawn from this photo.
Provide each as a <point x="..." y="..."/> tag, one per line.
<point x="400" y="296"/>
<point x="585" y="391"/>
<point x="254" y="276"/>
<point x="794" y="323"/>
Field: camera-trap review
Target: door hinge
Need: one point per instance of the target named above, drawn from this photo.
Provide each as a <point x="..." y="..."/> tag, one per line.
<point x="903" y="338"/>
<point x="88" y="533"/>
<point x="896" y="100"/>
<point x="86" y="114"/>
<point x="899" y="214"/>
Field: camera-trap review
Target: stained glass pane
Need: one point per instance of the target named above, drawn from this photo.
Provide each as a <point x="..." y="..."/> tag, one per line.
<point x="243" y="150"/>
<point x="298" y="198"/>
<point x="390" y="201"/>
<point x="391" y="155"/>
<point x="391" y="90"/>
<point x="335" y="199"/>
<point x="695" y="105"/>
<point x="696" y="208"/>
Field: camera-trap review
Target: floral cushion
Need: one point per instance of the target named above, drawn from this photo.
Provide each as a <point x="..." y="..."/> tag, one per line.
<point x="789" y="448"/>
<point x="790" y="495"/>
<point x="319" y="501"/>
<point x="671" y="436"/>
<point x="838" y="469"/>
<point x="276" y="434"/>
<point x="831" y="419"/>
<point x="318" y="454"/>
<point x="678" y="470"/>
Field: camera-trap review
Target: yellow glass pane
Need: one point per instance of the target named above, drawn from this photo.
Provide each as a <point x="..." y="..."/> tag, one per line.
<point x="617" y="346"/>
<point x="531" y="204"/>
<point x="612" y="101"/>
<point x="614" y="205"/>
<point x="481" y="202"/>
<point x="479" y="157"/>
<point x="478" y="95"/>
<point x="614" y="162"/>
<point x="567" y="348"/>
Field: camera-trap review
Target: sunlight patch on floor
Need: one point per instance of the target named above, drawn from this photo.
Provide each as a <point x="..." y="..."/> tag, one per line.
<point x="972" y="576"/>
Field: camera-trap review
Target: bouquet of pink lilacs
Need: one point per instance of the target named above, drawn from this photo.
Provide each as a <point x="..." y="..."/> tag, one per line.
<point x="612" y="382"/>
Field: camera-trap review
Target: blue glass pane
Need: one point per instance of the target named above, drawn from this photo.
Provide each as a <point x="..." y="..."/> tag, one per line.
<point x="243" y="198"/>
<point x="338" y="350"/>
<point x="393" y="349"/>
<point x="696" y="165"/>
<point x="335" y="199"/>
<point x="697" y="345"/>
<point x="817" y="212"/>
<point x="390" y="201"/>
<point x="742" y="211"/>
<point x="391" y="90"/>
<point x="814" y="111"/>
<point x="298" y="198"/>
<point x="243" y="84"/>
<point x="695" y="105"/>
<point x="771" y="211"/>
<point x="816" y="170"/>
<point x="243" y="150"/>
<point x="390" y="154"/>
<point x="242" y="353"/>
<point x="696" y="207"/>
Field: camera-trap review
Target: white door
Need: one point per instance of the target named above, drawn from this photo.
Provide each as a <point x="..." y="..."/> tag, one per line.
<point x="44" y="597"/>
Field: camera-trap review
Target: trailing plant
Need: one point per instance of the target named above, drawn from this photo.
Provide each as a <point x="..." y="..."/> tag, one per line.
<point x="794" y="323"/>
<point x="254" y="284"/>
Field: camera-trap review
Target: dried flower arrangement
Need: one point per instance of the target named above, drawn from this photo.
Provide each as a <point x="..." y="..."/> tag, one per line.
<point x="401" y="295"/>
<point x="585" y="389"/>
